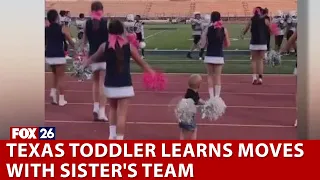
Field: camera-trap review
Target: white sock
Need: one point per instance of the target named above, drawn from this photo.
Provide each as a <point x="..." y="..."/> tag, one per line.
<point x="254" y="76"/>
<point x="120" y="137"/>
<point x="53" y="92"/>
<point x="217" y="90"/>
<point x="112" y="132"/>
<point x="61" y="98"/>
<point x="102" y="112"/>
<point x="62" y="101"/>
<point x="211" y="92"/>
<point x="96" y="107"/>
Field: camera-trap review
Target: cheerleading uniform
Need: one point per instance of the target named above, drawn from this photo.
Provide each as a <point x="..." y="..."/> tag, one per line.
<point x="196" y="98"/>
<point x="95" y="39"/>
<point x="54" y="38"/>
<point x="118" y="84"/>
<point x="259" y="38"/>
<point x="214" y="53"/>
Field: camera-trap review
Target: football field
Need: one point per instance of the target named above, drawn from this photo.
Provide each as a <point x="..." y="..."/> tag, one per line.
<point x="167" y="45"/>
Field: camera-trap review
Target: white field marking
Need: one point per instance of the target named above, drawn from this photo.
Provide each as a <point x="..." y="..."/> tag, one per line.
<point x="182" y="92"/>
<point x="188" y="74"/>
<point x="168" y="123"/>
<point x="154" y="34"/>
<point x="177" y="82"/>
<point x="174" y="105"/>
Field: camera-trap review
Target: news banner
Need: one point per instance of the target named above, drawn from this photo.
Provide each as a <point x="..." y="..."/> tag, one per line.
<point x="34" y="153"/>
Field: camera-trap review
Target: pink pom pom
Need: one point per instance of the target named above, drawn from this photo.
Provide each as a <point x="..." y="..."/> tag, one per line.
<point x="132" y="38"/>
<point x="155" y="82"/>
<point x="274" y="29"/>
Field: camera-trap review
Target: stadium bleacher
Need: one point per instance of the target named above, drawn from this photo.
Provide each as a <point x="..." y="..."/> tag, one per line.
<point x="173" y="8"/>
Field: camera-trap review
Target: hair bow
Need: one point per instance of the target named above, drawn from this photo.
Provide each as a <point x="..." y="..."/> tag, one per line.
<point x="217" y="24"/>
<point x="96" y="15"/>
<point x="113" y="39"/>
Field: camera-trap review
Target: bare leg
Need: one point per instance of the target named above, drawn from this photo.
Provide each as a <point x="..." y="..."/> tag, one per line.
<point x="217" y="79"/>
<point x="122" y="111"/>
<point x="60" y="71"/>
<point x="113" y="119"/>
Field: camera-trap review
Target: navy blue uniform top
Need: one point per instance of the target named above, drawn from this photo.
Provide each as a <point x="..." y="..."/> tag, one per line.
<point x="193" y="95"/>
<point x="258" y="31"/>
<point x="54" y="39"/>
<point x="113" y="77"/>
<point x="96" y="37"/>
<point x="215" y="43"/>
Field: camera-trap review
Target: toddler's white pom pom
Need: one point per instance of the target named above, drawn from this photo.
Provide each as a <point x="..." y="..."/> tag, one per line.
<point x="185" y="110"/>
<point x="214" y="108"/>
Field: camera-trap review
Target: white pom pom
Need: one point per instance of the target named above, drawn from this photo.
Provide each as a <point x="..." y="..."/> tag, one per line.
<point x="214" y="108"/>
<point x="78" y="71"/>
<point x="273" y="58"/>
<point x="142" y="45"/>
<point x="185" y="110"/>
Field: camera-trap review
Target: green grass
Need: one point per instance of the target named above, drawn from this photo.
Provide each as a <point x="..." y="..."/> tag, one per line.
<point x="178" y="36"/>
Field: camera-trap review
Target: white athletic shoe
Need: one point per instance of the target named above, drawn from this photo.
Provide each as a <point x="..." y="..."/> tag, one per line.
<point x="68" y="57"/>
<point x="200" y="58"/>
<point x="296" y="123"/>
<point x="62" y="102"/>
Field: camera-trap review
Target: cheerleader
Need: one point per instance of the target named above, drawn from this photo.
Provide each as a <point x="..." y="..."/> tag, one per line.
<point x="258" y="43"/>
<point x="80" y="23"/>
<point x="206" y="22"/>
<point x="139" y="30"/>
<point x="196" y="32"/>
<point x="292" y="43"/>
<point x="55" y="35"/>
<point x="116" y="51"/>
<point x="215" y="38"/>
<point x="96" y="33"/>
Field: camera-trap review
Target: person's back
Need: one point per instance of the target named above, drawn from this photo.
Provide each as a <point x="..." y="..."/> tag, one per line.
<point x="54" y="40"/>
<point x="116" y="77"/>
<point x="96" y="36"/>
<point x="258" y="30"/>
<point x="215" y="41"/>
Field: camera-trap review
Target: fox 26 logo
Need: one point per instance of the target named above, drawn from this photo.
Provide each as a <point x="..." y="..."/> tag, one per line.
<point x="33" y="133"/>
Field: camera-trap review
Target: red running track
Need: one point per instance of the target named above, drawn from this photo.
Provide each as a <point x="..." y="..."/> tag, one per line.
<point x="254" y="112"/>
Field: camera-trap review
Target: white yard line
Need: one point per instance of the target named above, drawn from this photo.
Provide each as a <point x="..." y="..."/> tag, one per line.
<point x="154" y="34"/>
